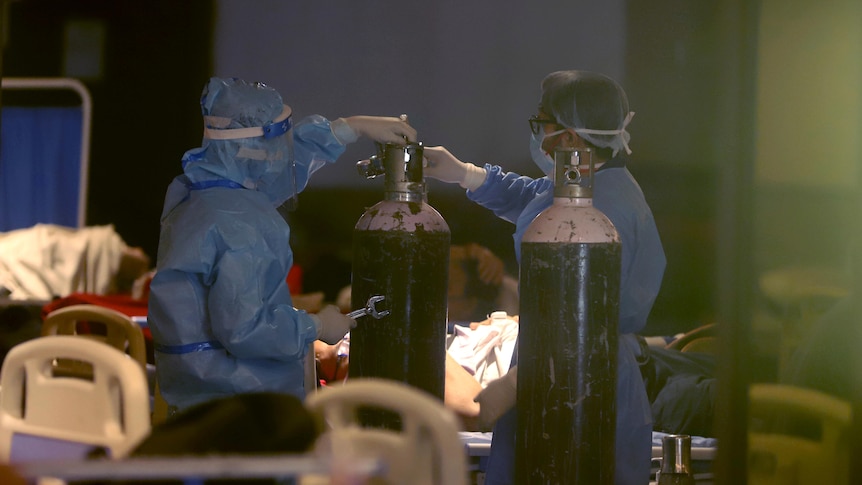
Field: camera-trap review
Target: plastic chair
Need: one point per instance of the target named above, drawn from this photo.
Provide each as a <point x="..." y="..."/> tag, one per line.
<point x="58" y="417"/>
<point x="703" y="345"/>
<point x="798" y="296"/>
<point x="701" y="339"/>
<point x="426" y="450"/>
<point x="777" y="457"/>
<point x="121" y="332"/>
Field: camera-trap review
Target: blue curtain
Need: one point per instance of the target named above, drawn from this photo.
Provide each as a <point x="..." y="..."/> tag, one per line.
<point x="40" y="159"/>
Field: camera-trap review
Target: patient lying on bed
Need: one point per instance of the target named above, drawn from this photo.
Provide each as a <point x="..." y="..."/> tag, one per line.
<point x="478" y="285"/>
<point x="681" y="386"/>
<point x="47" y="261"/>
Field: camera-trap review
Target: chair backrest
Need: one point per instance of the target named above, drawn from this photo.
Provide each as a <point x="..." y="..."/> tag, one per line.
<point x="426" y="450"/>
<point x="121" y="332"/>
<point x="701" y="339"/>
<point x="703" y="345"/>
<point x="782" y="453"/>
<point x="45" y="416"/>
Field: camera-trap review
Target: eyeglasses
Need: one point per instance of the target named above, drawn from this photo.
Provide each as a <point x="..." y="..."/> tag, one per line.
<point x="536" y="123"/>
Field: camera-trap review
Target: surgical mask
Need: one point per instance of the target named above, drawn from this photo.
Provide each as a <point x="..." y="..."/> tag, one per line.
<point x="544" y="161"/>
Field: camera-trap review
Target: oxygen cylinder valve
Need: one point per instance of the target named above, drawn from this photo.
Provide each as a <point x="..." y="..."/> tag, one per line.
<point x="371" y="168"/>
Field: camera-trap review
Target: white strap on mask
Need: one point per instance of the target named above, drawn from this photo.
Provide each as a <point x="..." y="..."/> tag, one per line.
<point x="620" y="132"/>
<point x="215" y="122"/>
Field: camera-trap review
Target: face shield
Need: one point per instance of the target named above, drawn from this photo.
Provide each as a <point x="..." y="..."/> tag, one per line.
<point x="248" y="138"/>
<point x="592" y="105"/>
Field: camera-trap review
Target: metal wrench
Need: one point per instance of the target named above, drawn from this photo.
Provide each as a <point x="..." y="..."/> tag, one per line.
<point x="370" y="309"/>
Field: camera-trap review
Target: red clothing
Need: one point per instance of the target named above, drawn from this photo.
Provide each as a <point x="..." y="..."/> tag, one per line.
<point x="137" y="307"/>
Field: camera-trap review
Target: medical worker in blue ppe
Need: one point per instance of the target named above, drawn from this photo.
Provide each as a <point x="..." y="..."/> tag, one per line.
<point x="578" y="109"/>
<point x="220" y="310"/>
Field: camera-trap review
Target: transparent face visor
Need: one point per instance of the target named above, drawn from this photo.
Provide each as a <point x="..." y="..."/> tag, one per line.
<point x="273" y="149"/>
<point x="288" y="179"/>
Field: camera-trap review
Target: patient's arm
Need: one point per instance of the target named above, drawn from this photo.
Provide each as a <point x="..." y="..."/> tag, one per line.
<point x="461" y="388"/>
<point x="331" y="367"/>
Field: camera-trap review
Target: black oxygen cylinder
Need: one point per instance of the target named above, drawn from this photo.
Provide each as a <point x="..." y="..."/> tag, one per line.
<point x="401" y="251"/>
<point x="567" y="344"/>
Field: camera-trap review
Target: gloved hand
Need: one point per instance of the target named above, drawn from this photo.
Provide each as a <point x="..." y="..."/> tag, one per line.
<point x="498" y="397"/>
<point x="443" y="166"/>
<point x="383" y="129"/>
<point x="332" y="325"/>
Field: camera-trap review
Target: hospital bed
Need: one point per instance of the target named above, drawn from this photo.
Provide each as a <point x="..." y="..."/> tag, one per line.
<point x="703" y="452"/>
<point x="44" y="168"/>
<point x="485" y="353"/>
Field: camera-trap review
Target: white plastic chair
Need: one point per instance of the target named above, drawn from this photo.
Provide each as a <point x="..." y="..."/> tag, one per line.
<point x="43" y="416"/>
<point x="427" y="450"/>
<point x="777" y="457"/>
<point x="122" y="332"/>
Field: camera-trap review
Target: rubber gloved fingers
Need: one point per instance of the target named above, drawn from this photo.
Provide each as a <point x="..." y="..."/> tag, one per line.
<point x="440" y="164"/>
<point x="383" y="129"/>
<point x="332" y="324"/>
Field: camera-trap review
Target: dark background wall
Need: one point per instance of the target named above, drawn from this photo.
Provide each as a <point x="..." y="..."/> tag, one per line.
<point x="153" y="56"/>
<point x="467" y="74"/>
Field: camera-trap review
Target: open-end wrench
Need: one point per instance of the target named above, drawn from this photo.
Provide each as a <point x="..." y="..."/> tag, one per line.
<point x="370" y="309"/>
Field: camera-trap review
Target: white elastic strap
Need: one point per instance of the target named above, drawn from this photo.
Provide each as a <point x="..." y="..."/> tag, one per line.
<point x="622" y="130"/>
<point x="236" y="133"/>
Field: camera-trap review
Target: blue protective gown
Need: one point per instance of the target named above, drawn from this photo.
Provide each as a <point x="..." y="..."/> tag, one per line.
<point x="220" y="310"/>
<point x="519" y="200"/>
